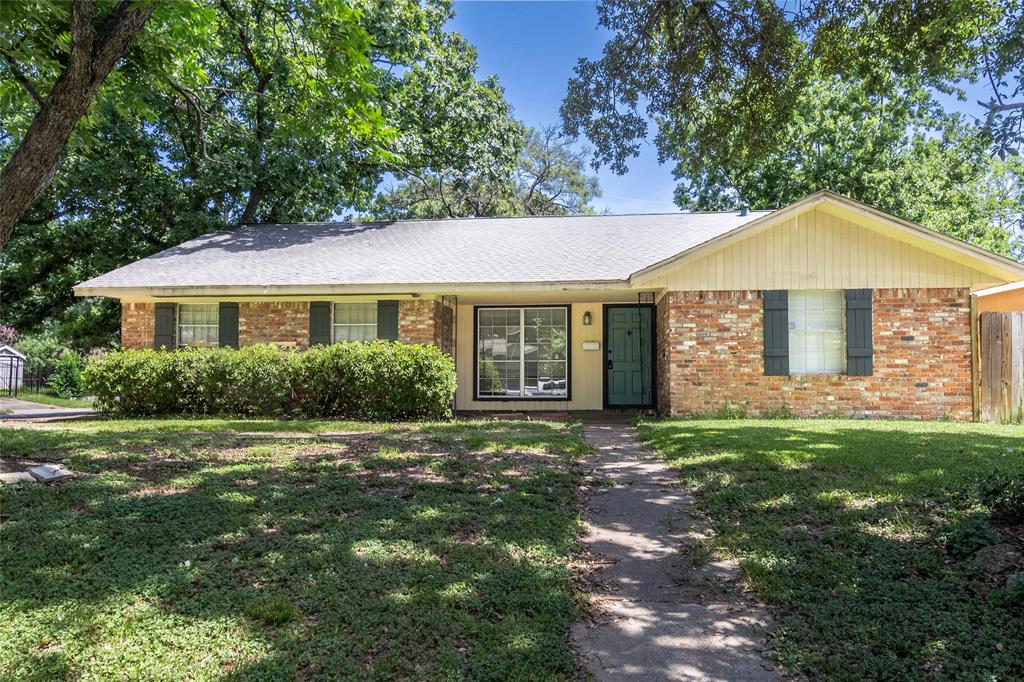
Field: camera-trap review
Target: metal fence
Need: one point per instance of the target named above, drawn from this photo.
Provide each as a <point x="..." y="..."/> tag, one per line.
<point x="15" y="377"/>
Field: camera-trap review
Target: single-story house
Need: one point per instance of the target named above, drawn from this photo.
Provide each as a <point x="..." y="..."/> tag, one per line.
<point x="826" y="306"/>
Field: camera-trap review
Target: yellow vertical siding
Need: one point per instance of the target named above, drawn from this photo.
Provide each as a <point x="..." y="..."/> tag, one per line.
<point x="587" y="366"/>
<point x="816" y="250"/>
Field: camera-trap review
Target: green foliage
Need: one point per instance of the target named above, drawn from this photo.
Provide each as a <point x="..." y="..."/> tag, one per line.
<point x="549" y="178"/>
<point x="840" y="527"/>
<point x="262" y="111"/>
<point x="969" y="534"/>
<point x="723" y="80"/>
<point x="48" y="396"/>
<point x="1003" y="494"/>
<point x="1012" y="594"/>
<point x="731" y="410"/>
<point x="41" y="350"/>
<point x="763" y="103"/>
<point x="376" y="381"/>
<point x="66" y="380"/>
<point x="379" y="381"/>
<point x="898" y="152"/>
<point x="272" y="609"/>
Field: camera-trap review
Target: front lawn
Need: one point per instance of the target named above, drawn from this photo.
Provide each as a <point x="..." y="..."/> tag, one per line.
<point x="47" y="396"/>
<point x="839" y="528"/>
<point x="212" y="548"/>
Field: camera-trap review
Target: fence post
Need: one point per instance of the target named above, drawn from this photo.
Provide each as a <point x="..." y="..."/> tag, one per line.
<point x="975" y="362"/>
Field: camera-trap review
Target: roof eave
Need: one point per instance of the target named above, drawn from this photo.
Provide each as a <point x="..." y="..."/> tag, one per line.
<point x="227" y="291"/>
<point x="999" y="289"/>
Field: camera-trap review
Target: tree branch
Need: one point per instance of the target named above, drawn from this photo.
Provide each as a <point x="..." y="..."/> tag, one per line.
<point x="92" y="57"/>
<point x="21" y="78"/>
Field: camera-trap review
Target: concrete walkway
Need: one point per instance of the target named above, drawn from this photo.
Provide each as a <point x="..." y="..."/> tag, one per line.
<point x="12" y="408"/>
<point x="656" y="616"/>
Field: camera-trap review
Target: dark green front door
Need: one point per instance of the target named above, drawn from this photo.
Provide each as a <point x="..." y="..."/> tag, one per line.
<point x="628" y="359"/>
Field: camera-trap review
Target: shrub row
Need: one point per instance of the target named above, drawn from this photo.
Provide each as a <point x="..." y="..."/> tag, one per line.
<point x="377" y="381"/>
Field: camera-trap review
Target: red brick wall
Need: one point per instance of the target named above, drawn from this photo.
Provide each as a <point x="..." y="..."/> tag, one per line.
<point x="138" y="325"/>
<point x="416" y="321"/>
<point x="419" y="321"/>
<point x="444" y="324"/>
<point x="710" y="350"/>
<point x="285" y="322"/>
<point x="663" y="359"/>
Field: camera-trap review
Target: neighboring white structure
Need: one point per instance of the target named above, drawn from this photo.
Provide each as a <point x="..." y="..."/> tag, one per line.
<point x="12" y="368"/>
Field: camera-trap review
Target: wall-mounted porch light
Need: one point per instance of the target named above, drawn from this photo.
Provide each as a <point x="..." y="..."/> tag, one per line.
<point x="588" y="319"/>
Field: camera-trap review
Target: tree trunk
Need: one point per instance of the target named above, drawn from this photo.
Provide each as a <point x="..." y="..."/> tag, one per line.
<point x="90" y="61"/>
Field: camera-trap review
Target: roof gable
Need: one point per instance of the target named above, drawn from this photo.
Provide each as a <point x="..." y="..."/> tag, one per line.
<point x="969" y="263"/>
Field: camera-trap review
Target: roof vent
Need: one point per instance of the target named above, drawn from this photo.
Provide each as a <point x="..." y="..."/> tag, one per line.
<point x="743" y="209"/>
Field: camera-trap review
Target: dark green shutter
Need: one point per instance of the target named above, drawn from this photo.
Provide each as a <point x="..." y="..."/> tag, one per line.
<point x="858" y="332"/>
<point x="164" y="332"/>
<point x="776" y="333"/>
<point x="319" y="323"/>
<point x="227" y="321"/>
<point x="387" y="320"/>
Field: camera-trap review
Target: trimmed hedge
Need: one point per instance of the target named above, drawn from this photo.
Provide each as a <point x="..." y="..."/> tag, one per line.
<point x="381" y="380"/>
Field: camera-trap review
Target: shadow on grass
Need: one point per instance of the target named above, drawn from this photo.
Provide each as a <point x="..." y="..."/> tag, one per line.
<point x="837" y="525"/>
<point x="403" y="559"/>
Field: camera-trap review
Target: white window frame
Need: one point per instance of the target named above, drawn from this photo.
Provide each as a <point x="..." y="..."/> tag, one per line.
<point x="840" y="332"/>
<point x="567" y="360"/>
<point x="335" y="324"/>
<point x="215" y="326"/>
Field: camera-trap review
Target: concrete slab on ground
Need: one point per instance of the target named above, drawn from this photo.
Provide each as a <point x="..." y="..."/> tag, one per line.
<point x="657" y="616"/>
<point x="14" y="408"/>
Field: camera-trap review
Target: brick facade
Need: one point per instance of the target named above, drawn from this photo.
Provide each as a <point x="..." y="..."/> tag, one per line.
<point x="416" y="320"/>
<point x="710" y="354"/>
<point x="428" y="321"/>
<point x="444" y="324"/>
<point x="663" y="356"/>
<point x="138" y="325"/>
<point x="283" y="322"/>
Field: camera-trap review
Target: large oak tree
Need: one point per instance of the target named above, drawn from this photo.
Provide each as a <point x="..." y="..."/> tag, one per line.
<point x="729" y="85"/>
<point x="288" y="111"/>
<point x="549" y="178"/>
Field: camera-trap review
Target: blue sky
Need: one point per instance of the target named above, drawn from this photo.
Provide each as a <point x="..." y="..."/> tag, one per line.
<point x="533" y="46"/>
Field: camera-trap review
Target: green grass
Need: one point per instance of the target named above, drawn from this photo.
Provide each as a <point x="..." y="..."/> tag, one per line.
<point x="47" y="397"/>
<point x="838" y="526"/>
<point x="234" y="549"/>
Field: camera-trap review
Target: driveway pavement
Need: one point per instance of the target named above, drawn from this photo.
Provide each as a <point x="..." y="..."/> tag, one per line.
<point x="656" y="616"/>
<point x="13" y="408"/>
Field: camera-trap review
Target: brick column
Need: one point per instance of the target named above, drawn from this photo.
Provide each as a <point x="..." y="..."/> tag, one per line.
<point x="138" y="325"/>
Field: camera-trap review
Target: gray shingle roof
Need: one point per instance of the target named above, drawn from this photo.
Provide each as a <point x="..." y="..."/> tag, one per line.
<point x="489" y="250"/>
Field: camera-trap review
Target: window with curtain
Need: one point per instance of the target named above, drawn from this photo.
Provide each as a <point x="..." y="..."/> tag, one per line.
<point x="198" y="324"/>
<point x="523" y="352"/>
<point x="355" y="321"/>
<point x="817" y="332"/>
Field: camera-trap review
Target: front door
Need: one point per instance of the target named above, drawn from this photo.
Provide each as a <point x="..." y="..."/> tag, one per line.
<point x="629" y="360"/>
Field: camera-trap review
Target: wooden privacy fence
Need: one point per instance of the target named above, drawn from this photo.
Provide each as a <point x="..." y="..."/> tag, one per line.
<point x="1001" y="365"/>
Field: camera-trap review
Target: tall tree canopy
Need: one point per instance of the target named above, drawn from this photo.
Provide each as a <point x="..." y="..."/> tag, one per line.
<point x="294" y="110"/>
<point x="742" y="89"/>
<point x="549" y="178"/>
<point x="56" y="56"/>
<point x="900" y="152"/>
